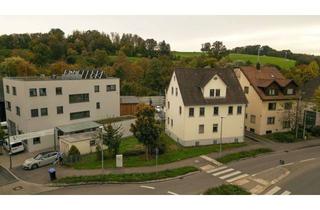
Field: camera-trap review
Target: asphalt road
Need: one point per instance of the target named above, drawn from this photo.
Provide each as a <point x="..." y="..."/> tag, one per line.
<point x="189" y="185"/>
<point x="6" y="177"/>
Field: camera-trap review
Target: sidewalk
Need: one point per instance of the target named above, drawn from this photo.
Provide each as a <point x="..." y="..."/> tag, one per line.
<point x="41" y="176"/>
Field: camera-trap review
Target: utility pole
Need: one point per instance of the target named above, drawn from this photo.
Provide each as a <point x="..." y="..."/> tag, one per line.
<point x="101" y="145"/>
<point x="304" y="124"/>
<point x="220" y="150"/>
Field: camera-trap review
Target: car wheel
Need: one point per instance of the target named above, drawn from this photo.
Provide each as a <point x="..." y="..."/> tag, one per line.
<point x="34" y="166"/>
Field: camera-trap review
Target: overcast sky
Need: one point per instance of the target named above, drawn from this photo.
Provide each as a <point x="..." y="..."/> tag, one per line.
<point x="186" y="33"/>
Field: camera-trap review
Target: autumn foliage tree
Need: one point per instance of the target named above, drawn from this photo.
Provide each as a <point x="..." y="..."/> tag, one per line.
<point x="145" y="128"/>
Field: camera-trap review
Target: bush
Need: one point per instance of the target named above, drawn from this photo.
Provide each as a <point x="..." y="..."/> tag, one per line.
<point x="136" y="152"/>
<point x="74" y="151"/>
<point x="315" y="131"/>
<point x="226" y="189"/>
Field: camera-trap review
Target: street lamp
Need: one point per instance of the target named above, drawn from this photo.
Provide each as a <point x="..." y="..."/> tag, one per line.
<point x="220" y="150"/>
<point x="101" y="144"/>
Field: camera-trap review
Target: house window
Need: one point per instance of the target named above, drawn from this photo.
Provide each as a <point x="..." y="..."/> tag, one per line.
<point x="79" y="115"/>
<point x="239" y="110"/>
<point x="7" y="89"/>
<point x="171" y="122"/>
<point x="253" y="119"/>
<point x="180" y="110"/>
<point x="286" y="124"/>
<point x="111" y="88"/>
<point x="271" y="92"/>
<point x="92" y="143"/>
<point x="270" y="120"/>
<point x="44" y="111"/>
<point x="288" y="105"/>
<point x="211" y="92"/>
<point x="96" y="88"/>
<point x="272" y="106"/>
<point x="176" y="91"/>
<point x="14" y="91"/>
<point x="201" y="113"/>
<point x="268" y="131"/>
<point x="246" y="115"/>
<point x="216" y="110"/>
<point x="78" y="98"/>
<point x="34" y="113"/>
<point x="18" y="110"/>
<point x="217" y="92"/>
<point x="42" y="91"/>
<point x="215" y="128"/>
<point x="59" y="109"/>
<point x="58" y="90"/>
<point x="8" y="105"/>
<point x="172" y="90"/>
<point x="246" y="89"/>
<point x="36" y="140"/>
<point x="201" y="128"/>
<point x="168" y="120"/>
<point x="33" y="92"/>
<point x="168" y="104"/>
<point x="290" y="91"/>
<point x="191" y="112"/>
<point x="230" y="110"/>
<point x="98" y="105"/>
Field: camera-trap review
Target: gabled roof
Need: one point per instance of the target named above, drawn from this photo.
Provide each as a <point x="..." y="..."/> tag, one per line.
<point x="191" y="80"/>
<point x="264" y="78"/>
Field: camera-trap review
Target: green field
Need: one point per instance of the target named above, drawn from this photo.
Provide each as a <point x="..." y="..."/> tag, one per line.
<point x="281" y="62"/>
<point x="186" y="54"/>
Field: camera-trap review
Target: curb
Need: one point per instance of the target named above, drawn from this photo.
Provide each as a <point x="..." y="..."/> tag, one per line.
<point x="112" y="182"/>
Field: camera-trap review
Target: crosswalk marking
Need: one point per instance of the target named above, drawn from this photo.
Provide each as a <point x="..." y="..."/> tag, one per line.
<point x="230" y="175"/>
<point x="217" y="169"/>
<point x="223" y="172"/>
<point x="273" y="190"/>
<point x="207" y="168"/>
<point x="286" y="193"/>
<point x="237" y="178"/>
<point x="211" y="160"/>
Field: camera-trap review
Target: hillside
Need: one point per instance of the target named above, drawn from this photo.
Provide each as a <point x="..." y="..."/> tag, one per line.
<point x="281" y="62"/>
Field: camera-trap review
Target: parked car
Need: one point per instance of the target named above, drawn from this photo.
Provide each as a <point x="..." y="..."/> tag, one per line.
<point x="41" y="159"/>
<point x="16" y="146"/>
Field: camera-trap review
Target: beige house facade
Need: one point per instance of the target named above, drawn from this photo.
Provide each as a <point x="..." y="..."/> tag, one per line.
<point x="201" y="102"/>
<point x="271" y="98"/>
<point x="40" y="103"/>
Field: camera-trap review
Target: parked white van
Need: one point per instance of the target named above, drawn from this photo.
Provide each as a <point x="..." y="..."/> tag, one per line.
<point x="16" y="146"/>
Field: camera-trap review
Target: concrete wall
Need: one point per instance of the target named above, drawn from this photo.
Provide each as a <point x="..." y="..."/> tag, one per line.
<point x="46" y="142"/>
<point x="109" y="102"/>
<point x="156" y="100"/>
<point x="83" y="146"/>
<point x="185" y="129"/>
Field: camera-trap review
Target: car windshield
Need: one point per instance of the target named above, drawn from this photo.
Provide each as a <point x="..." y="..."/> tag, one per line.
<point x="38" y="157"/>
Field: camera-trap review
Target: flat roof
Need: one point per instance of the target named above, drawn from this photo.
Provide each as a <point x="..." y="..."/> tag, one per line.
<point x="32" y="135"/>
<point x="77" y="137"/>
<point x="78" y="126"/>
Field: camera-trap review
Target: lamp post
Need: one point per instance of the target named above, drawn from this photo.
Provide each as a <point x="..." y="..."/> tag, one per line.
<point x="9" y="142"/>
<point x="304" y="124"/>
<point x="101" y="145"/>
<point x="220" y="150"/>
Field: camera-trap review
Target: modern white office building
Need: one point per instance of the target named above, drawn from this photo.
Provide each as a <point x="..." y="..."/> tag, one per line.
<point x="40" y="103"/>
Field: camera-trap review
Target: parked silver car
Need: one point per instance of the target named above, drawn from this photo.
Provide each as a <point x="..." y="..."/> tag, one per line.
<point x="41" y="159"/>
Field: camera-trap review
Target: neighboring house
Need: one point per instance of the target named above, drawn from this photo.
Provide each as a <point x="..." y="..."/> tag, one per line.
<point x="40" y="103"/>
<point x="128" y="105"/>
<point x="308" y="91"/>
<point x="196" y="101"/>
<point x="271" y="99"/>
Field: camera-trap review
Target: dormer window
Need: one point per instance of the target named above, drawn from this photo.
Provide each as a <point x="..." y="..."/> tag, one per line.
<point x="211" y="92"/>
<point x="214" y="92"/>
<point x="272" y="92"/>
<point x="217" y="92"/>
<point x="290" y="91"/>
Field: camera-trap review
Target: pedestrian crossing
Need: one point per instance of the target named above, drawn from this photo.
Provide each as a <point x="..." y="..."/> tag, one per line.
<point x="237" y="177"/>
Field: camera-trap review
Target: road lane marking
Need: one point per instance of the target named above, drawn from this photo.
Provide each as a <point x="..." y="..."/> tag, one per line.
<point x="230" y="175"/>
<point x="223" y="172"/>
<point x="286" y="193"/>
<point x="172" y="193"/>
<point x="273" y="190"/>
<point x="237" y="178"/>
<point x="217" y="169"/>
<point x="147" y="187"/>
<point x="301" y="161"/>
<point x="211" y="160"/>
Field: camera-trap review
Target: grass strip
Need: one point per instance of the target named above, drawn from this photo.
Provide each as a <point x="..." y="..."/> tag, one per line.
<point x="226" y="189"/>
<point x="129" y="177"/>
<point x="244" y="154"/>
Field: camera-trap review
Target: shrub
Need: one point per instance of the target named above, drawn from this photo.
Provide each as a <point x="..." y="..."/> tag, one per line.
<point x="226" y="189"/>
<point x="135" y="152"/>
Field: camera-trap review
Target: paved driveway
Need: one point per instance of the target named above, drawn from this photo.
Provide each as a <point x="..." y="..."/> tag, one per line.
<point x="5" y="177"/>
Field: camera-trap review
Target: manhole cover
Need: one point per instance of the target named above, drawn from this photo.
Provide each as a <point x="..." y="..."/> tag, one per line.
<point x="17" y="188"/>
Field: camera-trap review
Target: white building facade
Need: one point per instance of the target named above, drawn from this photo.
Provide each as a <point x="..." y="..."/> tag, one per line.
<point x="40" y="103"/>
<point x="201" y="102"/>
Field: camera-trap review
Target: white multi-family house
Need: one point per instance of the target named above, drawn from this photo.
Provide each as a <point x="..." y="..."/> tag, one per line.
<point x="205" y="106"/>
<point x="41" y="103"/>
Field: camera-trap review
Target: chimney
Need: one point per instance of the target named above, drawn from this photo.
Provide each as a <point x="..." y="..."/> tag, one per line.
<point x="258" y="66"/>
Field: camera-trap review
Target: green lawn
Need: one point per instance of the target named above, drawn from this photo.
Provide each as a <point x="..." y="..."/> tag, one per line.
<point x="244" y="154"/>
<point x="226" y="189"/>
<point x="174" y="152"/>
<point x="186" y="54"/>
<point x="134" y="177"/>
<point x="281" y="62"/>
